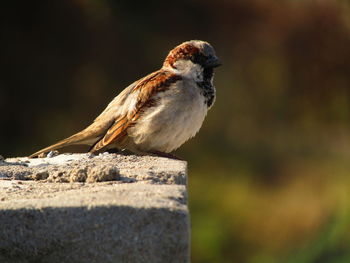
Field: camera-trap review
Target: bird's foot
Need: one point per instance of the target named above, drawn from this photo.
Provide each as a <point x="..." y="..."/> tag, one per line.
<point x="166" y="155"/>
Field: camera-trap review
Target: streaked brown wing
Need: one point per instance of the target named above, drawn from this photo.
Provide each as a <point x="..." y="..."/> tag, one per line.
<point x="117" y="130"/>
<point x="158" y="81"/>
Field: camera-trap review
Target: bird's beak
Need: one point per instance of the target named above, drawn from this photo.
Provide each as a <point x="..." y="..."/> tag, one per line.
<point x="213" y="62"/>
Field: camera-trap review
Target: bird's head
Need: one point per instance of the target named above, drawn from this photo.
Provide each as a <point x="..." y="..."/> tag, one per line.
<point x="192" y="58"/>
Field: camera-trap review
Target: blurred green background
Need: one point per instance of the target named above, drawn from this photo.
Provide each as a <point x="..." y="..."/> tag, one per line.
<point x="269" y="172"/>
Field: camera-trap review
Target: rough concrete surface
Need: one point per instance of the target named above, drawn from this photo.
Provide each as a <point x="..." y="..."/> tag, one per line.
<point x="95" y="168"/>
<point x="138" y="214"/>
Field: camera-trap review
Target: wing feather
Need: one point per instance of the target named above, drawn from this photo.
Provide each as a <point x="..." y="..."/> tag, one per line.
<point x="147" y="87"/>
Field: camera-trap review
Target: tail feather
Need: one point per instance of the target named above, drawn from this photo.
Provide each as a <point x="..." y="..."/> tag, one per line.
<point x="72" y="140"/>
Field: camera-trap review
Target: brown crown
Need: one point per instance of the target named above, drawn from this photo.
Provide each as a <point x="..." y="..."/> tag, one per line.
<point x="183" y="51"/>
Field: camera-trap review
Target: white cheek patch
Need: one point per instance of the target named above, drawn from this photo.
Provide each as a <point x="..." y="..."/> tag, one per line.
<point x="188" y="69"/>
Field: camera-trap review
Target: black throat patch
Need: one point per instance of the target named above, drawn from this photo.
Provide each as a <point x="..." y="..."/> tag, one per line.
<point x="206" y="86"/>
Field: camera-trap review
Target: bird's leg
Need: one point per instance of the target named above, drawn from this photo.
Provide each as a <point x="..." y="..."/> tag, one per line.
<point x="166" y="155"/>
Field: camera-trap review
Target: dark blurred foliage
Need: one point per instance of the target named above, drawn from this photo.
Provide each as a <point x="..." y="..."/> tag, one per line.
<point x="269" y="172"/>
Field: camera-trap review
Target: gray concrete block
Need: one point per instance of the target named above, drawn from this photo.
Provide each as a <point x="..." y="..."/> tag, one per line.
<point x="141" y="215"/>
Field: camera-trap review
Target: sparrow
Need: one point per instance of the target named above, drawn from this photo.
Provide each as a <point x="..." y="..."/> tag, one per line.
<point x="158" y="113"/>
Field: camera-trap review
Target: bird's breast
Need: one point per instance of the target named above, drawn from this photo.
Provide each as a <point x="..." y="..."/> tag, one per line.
<point x="176" y="116"/>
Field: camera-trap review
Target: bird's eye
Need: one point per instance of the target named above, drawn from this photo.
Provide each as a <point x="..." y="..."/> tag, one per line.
<point x="199" y="58"/>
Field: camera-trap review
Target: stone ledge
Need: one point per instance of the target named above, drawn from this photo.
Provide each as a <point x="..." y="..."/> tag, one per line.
<point x="146" y="220"/>
<point x="95" y="168"/>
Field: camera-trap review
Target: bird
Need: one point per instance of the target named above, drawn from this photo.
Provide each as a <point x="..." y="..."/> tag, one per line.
<point x="159" y="112"/>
